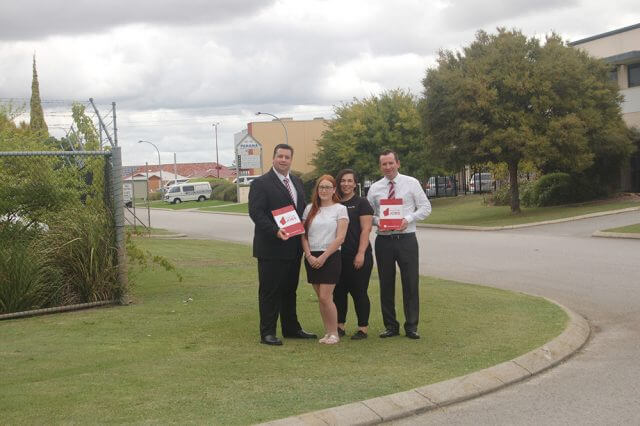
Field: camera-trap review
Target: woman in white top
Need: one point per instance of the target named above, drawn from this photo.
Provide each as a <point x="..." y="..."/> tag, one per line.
<point x="325" y="223"/>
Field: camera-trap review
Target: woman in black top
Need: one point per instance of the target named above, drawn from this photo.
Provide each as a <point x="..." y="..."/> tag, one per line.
<point x="357" y="259"/>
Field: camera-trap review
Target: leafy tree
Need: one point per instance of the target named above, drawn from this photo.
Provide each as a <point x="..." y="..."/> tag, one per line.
<point x="37" y="122"/>
<point x="363" y="128"/>
<point x="507" y="99"/>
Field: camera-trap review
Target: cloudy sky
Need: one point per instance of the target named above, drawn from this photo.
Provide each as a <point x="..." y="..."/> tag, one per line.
<point x="175" y="67"/>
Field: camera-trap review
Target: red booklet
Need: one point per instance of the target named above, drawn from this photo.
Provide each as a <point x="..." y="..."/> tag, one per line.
<point x="390" y="214"/>
<point x="287" y="218"/>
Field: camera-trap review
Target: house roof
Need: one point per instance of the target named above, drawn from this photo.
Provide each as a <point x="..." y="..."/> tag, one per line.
<point x="191" y="170"/>
<point x="166" y="176"/>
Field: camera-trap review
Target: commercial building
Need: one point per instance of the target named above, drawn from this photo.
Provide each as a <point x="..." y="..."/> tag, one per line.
<point x="302" y="135"/>
<point x="621" y="49"/>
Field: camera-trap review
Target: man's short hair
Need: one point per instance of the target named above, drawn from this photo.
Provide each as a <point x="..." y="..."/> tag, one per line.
<point x="282" y="146"/>
<point x="387" y="152"/>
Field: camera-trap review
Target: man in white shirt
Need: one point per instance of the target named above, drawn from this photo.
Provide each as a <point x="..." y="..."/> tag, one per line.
<point x="398" y="246"/>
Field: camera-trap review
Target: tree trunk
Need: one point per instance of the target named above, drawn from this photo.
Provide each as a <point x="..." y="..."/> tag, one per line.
<point x="513" y="184"/>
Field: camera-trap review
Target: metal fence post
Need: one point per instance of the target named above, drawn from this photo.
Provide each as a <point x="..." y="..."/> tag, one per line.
<point x="118" y="217"/>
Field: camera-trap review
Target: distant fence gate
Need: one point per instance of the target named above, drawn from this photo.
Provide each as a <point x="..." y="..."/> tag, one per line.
<point x="62" y="230"/>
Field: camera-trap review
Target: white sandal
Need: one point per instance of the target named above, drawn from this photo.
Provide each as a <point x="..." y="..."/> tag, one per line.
<point x="330" y="339"/>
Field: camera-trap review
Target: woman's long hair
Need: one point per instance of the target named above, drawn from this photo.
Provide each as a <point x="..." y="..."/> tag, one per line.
<point x="339" y="176"/>
<point x="315" y="199"/>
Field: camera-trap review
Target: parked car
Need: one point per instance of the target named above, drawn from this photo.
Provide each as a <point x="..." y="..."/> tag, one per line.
<point x="481" y="182"/>
<point x="245" y="180"/>
<point x="195" y="191"/>
<point x="445" y="186"/>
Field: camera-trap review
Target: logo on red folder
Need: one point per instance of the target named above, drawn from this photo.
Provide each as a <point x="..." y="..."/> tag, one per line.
<point x="392" y="216"/>
<point x="287" y="219"/>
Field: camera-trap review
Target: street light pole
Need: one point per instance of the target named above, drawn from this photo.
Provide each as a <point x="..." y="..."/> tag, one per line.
<point x="286" y="136"/>
<point x="159" y="163"/>
<point x="217" y="163"/>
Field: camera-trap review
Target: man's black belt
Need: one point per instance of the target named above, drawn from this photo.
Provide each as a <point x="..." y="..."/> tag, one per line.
<point x="396" y="236"/>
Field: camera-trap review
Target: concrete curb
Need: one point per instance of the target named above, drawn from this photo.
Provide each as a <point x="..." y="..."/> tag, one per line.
<point x="414" y="401"/>
<point x="167" y="237"/>
<point x="527" y="225"/>
<point x="605" y="234"/>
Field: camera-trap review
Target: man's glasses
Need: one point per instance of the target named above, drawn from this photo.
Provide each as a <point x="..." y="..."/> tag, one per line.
<point x="325" y="188"/>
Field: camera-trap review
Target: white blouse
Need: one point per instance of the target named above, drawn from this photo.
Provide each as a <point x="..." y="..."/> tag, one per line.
<point x="324" y="225"/>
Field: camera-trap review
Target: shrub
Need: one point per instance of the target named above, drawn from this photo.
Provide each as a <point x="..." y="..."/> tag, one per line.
<point x="81" y="244"/>
<point x="155" y="196"/>
<point x="527" y="190"/>
<point x="230" y="193"/>
<point x="501" y="196"/>
<point x="308" y="182"/>
<point x="561" y="188"/>
<point x="218" y="192"/>
<point x="214" y="182"/>
<point x="27" y="280"/>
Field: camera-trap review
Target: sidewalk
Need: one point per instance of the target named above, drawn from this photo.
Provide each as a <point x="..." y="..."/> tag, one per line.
<point x="419" y="400"/>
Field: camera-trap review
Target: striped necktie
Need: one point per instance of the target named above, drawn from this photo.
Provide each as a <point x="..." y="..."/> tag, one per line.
<point x="286" y="183"/>
<point x="392" y="190"/>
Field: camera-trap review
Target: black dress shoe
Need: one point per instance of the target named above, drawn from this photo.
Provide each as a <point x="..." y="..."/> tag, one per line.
<point x="270" y="339"/>
<point x="359" y="335"/>
<point x="300" y="334"/>
<point x="413" y="335"/>
<point x="388" y="333"/>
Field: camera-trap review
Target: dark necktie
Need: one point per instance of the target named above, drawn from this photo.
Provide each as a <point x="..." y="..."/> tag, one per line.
<point x="286" y="183"/>
<point x="392" y="190"/>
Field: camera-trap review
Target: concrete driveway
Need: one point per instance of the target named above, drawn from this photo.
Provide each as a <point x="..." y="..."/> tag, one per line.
<point x="597" y="277"/>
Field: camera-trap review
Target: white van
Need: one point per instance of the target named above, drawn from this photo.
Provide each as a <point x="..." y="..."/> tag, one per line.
<point x="194" y="191"/>
<point x="245" y="180"/>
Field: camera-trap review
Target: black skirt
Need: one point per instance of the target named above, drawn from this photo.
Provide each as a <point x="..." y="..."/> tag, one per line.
<point x="329" y="273"/>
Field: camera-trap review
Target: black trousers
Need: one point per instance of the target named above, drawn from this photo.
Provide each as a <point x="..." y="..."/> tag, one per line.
<point x="356" y="282"/>
<point x="403" y="250"/>
<point x="277" y="295"/>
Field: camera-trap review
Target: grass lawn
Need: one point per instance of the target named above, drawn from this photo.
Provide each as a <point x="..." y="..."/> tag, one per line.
<point x="232" y="208"/>
<point x="188" y="352"/>
<point x="630" y="229"/>
<point x="182" y="206"/>
<point x="470" y="210"/>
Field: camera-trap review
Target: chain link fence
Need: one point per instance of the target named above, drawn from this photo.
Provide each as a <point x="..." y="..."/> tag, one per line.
<point x="62" y="230"/>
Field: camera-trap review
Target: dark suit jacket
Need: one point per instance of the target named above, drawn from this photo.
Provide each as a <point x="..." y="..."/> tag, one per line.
<point x="268" y="193"/>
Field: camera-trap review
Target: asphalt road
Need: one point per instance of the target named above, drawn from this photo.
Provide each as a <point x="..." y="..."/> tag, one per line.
<point x="597" y="277"/>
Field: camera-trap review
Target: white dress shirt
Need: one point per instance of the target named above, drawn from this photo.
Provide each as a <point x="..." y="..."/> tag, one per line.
<point x="415" y="204"/>
<point x="294" y="193"/>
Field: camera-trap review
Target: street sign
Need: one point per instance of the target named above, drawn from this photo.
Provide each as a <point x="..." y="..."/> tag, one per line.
<point x="249" y="154"/>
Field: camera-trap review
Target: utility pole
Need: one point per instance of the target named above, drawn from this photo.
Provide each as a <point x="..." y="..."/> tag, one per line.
<point x="217" y="161"/>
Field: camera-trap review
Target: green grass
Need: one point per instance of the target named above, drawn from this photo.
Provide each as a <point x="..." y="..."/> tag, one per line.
<point x="233" y="208"/>
<point x="184" y="205"/>
<point x="630" y="229"/>
<point x="470" y="210"/>
<point x="188" y="352"/>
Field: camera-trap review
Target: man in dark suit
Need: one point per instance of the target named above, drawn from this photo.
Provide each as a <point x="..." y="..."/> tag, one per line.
<point x="278" y="254"/>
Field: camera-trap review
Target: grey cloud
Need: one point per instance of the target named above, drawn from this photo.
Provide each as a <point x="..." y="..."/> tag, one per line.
<point x="34" y="19"/>
<point x="472" y="15"/>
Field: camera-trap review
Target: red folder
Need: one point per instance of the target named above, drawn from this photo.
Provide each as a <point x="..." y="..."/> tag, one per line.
<point x="287" y="218"/>
<point x="390" y="214"/>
